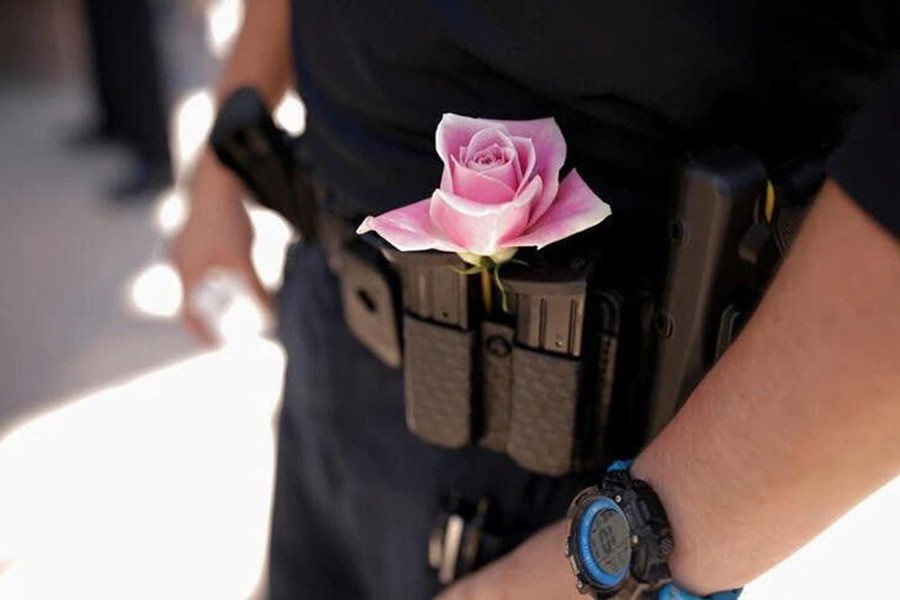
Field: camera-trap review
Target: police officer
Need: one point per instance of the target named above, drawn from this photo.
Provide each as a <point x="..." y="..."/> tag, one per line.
<point x="797" y="422"/>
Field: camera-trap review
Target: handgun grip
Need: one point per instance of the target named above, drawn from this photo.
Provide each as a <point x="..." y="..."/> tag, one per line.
<point x="717" y="203"/>
<point x="247" y="141"/>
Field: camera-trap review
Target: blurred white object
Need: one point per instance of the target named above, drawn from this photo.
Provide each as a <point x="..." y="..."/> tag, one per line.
<point x="171" y="211"/>
<point x="155" y="292"/>
<point x="290" y="115"/>
<point x="224" y="301"/>
<point x="192" y="120"/>
<point x="154" y="487"/>
<point x="223" y="22"/>
<point x="272" y="234"/>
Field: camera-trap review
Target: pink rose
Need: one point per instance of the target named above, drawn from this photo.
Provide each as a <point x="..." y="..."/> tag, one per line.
<point x="500" y="190"/>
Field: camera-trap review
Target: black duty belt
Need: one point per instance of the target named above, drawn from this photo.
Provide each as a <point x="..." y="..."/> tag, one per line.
<point x="534" y="382"/>
<point x="588" y="360"/>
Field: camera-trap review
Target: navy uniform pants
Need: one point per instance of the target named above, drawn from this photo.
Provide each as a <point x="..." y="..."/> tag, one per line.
<point x="356" y="493"/>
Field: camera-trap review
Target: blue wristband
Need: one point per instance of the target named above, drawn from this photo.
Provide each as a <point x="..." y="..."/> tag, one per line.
<point x="670" y="591"/>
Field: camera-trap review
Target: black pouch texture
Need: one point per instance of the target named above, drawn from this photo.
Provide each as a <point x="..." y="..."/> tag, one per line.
<point x="439" y="384"/>
<point x="543" y="422"/>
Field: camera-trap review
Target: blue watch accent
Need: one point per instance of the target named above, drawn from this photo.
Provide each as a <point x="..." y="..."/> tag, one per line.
<point x="670" y="591"/>
<point x="619" y="465"/>
<point x="591" y="565"/>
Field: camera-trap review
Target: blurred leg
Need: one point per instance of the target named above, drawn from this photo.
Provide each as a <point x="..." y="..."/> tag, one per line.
<point x="110" y="120"/>
<point x="128" y="58"/>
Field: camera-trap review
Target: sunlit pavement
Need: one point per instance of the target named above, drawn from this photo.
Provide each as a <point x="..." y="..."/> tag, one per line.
<point x="158" y="487"/>
<point x="156" y="483"/>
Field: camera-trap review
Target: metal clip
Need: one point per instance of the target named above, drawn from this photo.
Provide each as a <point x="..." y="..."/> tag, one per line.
<point x="455" y="543"/>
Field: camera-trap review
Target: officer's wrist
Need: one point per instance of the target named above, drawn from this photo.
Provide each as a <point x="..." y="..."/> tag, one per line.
<point x="209" y="183"/>
<point x="695" y="566"/>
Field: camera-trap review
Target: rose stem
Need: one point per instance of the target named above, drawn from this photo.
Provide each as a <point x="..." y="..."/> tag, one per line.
<point x="486" y="291"/>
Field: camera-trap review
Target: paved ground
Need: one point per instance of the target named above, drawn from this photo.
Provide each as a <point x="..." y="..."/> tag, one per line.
<point x="67" y="257"/>
<point x="132" y="462"/>
<point x="67" y="253"/>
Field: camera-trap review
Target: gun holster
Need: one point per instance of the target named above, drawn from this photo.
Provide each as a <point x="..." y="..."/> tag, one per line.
<point x="269" y="163"/>
<point x="734" y="221"/>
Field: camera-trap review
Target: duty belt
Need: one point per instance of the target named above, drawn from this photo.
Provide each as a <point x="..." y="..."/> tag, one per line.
<point x="534" y="382"/>
<point x="588" y="360"/>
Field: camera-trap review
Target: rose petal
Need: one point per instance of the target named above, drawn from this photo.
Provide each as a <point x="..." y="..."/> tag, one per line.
<point x="575" y="209"/>
<point x="525" y="162"/>
<point x="478" y="187"/>
<point x="490" y="158"/>
<point x="409" y="229"/>
<point x="447" y="179"/>
<point x="482" y="228"/>
<point x="455" y="131"/>
<point x="491" y="135"/>
<point x="507" y="172"/>
<point x="550" y="154"/>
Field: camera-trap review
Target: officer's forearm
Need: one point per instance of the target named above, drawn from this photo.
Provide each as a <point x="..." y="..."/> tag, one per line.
<point x="261" y="55"/>
<point x="799" y="420"/>
<point x="261" y="58"/>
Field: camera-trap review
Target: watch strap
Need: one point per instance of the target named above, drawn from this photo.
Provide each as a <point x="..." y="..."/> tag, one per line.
<point x="619" y="465"/>
<point x="670" y="591"/>
<point x="647" y="522"/>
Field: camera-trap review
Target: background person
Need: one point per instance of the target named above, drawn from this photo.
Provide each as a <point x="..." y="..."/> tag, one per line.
<point x="130" y="97"/>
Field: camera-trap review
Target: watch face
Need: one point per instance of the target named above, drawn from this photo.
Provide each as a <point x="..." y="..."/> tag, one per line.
<point x="610" y="540"/>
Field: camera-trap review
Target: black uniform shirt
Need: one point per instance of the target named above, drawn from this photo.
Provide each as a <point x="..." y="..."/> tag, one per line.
<point x="635" y="86"/>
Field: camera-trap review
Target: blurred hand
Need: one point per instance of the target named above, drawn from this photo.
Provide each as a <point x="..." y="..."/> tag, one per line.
<point x="216" y="235"/>
<point x="535" y="570"/>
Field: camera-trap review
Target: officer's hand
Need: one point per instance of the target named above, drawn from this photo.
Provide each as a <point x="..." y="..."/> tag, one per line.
<point x="537" y="569"/>
<point x="217" y="234"/>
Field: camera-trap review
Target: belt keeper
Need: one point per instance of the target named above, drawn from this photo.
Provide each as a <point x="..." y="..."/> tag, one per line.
<point x="496" y="355"/>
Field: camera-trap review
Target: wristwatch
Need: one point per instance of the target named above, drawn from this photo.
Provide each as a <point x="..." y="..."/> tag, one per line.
<point x="619" y="533"/>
